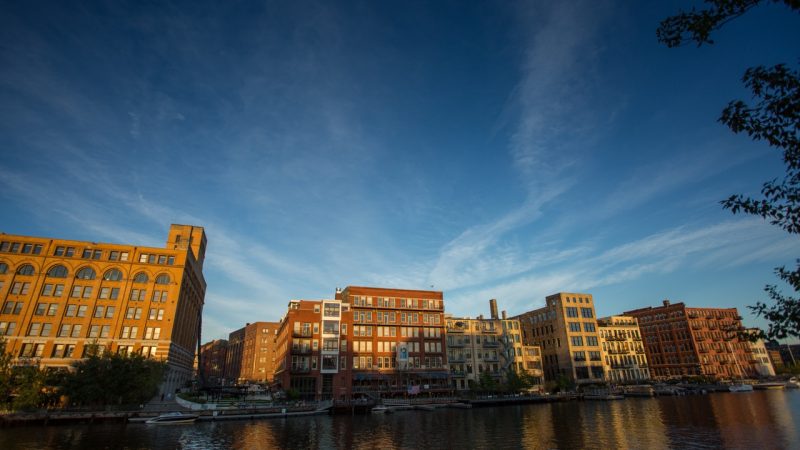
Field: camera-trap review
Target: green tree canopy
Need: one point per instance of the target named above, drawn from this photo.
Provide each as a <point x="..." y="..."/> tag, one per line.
<point x="113" y="379"/>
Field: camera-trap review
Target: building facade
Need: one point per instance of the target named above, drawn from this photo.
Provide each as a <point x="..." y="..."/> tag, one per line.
<point x="311" y="349"/>
<point x="682" y="341"/>
<point x="233" y="358"/>
<point x="566" y="331"/>
<point x="624" y="356"/>
<point x="61" y="296"/>
<point x="258" y="352"/>
<point x="760" y="358"/>
<point x="398" y="341"/>
<point x="212" y="361"/>
<point x="493" y="346"/>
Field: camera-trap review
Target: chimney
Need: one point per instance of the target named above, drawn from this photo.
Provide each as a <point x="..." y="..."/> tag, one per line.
<point x="493" y="308"/>
<point x="666" y="302"/>
<point x="480" y="317"/>
<point x="504" y="315"/>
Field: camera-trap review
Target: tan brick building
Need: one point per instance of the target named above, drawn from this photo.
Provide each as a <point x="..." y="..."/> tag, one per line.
<point x="60" y="295"/>
<point x="258" y="352"/>
<point x="624" y="356"/>
<point x="566" y="331"/>
<point x="488" y="345"/>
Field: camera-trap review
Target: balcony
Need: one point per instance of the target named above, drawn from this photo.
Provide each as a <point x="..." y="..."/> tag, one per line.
<point x="301" y="369"/>
<point x="457" y="359"/>
<point x="305" y="350"/>
<point x="493" y="344"/>
<point x="455" y="344"/>
<point x="491" y="359"/>
<point x="455" y="329"/>
<point x="301" y="333"/>
<point x="458" y="373"/>
<point x="489" y="330"/>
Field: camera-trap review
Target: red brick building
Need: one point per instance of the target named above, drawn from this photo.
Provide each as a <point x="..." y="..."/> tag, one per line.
<point x="311" y="348"/>
<point x="682" y="341"/>
<point x="398" y="341"/>
<point x="212" y="359"/>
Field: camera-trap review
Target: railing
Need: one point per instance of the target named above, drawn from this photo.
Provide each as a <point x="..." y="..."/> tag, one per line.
<point x="301" y="369"/>
<point x="455" y="330"/>
<point x="455" y="344"/>
<point x="301" y="350"/>
<point x="301" y="333"/>
<point x="491" y="344"/>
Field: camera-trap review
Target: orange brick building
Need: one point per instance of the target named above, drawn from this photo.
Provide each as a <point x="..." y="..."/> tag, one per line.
<point x="258" y="352"/>
<point x="682" y="341"/>
<point x="60" y="295"/>
<point x="398" y="341"/>
<point x="311" y="350"/>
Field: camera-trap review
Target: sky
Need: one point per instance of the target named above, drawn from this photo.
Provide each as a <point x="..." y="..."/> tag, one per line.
<point x="506" y="150"/>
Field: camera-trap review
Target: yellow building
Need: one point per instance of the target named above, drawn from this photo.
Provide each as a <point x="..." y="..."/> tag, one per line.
<point x="623" y="352"/>
<point x="566" y="330"/>
<point x="58" y="296"/>
<point x="494" y="345"/>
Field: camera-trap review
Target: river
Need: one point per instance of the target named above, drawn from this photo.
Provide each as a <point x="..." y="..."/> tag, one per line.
<point x="761" y="419"/>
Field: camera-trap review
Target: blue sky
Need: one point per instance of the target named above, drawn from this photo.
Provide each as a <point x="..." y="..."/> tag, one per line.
<point x="503" y="150"/>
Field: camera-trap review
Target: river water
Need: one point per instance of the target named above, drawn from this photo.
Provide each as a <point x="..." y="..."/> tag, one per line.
<point x="755" y="420"/>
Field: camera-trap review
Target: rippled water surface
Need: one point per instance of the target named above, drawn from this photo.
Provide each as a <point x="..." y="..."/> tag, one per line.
<point x="769" y="419"/>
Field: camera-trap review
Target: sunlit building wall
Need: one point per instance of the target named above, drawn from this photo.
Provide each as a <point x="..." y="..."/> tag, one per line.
<point x="624" y="356"/>
<point x="59" y="296"/>
<point x="566" y="331"/>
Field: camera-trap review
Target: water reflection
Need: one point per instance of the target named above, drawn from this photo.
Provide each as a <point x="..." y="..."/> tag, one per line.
<point x="749" y="420"/>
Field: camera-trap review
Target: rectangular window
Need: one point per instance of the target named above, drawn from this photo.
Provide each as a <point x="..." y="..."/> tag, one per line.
<point x="70" y="252"/>
<point x="94" y="331"/>
<point x="65" y="329"/>
<point x="76" y="330"/>
<point x="86" y="253"/>
<point x="47" y="290"/>
<point x="46" y="327"/>
<point x="7" y="328"/>
<point x="572" y="311"/>
<point x="34" y="329"/>
<point x="37" y="249"/>
<point x="41" y="308"/>
<point x="82" y="311"/>
<point x="123" y="256"/>
<point x="575" y="326"/>
<point x="71" y="310"/>
<point x="59" y="251"/>
<point x="143" y="258"/>
<point x="109" y="312"/>
<point x="76" y="291"/>
<point x="162" y="259"/>
<point x="588" y="327"/>
<point x="52" y="309"/>
<point x="152" y="315"/>
<point x="577" y="341"/>
<point x="26" y="248"/>
<point x="113" y="255"/>
<point x="99" y="311"/>
<point x="105" y="292"/>
<point x="586" y="313"/>
<point x="97" y="254"/>
<point x="104" y="331"/>
<point x="591" y="341"/>
<point x="59" y="290"/>
<point x="114" y="294"/>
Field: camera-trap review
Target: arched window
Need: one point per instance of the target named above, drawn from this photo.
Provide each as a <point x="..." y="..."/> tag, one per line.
<point x="58" y="271"/>
<point x="140" y="277"/>
<point x="25" y="269"/>
<point x="162" y="279"/>
<point x="3" y="268"/>
<point x="87" y="273"/>
<point x="112" y="275"/>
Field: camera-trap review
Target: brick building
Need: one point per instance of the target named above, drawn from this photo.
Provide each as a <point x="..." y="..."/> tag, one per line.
<point x="624" y="356"/>
<point x="58" y="296"/>
<point x="212" y="361"/>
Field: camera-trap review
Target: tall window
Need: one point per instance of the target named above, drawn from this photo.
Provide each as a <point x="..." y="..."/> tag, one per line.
<point x="87" y="273"/>
<point x="57" y="271"/>
<point x="25" y="269"/>
<point x="112" y="275"/>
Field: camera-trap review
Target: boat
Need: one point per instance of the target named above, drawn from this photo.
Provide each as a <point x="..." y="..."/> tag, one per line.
<point x="173" y="418"/>
<point x="641" y="390"/>
<point x="793" y="383"/>
<point x="740" y="387"/>
<point x="381" y="409"/>
<point x="769" y="386"/>
<point x="603" y="397"/>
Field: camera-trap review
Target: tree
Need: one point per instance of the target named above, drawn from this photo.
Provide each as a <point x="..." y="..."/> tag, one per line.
<point x="775" y="119"/>
<point x="113" y="379"/>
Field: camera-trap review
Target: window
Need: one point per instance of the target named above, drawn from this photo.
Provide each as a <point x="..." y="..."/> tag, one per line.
<point x="160" y="296"/>
<point x="94" y="331"/>
<point x="13" y="308"/>
<point x="574" y="326"/>
<point x="113" y="255"/>
<point x="162" y="279"/>
<point x="99" y="311"/>
<point x="109" y="312"/>
<point x="65" y="329"/>
<point x="123" y="256"/>
<point x="52" y="309"/>
<point x="572" y="311"/>
<point x="87" y="273"/>
<point x="7" y="328"/>
<point x="76" y="330"/>
<point x="577" y="341"/>
<point x="140" y="277"/>
<point x="162" y="259"/>
<point x="87" y="292"/>
<point x="82" y="311"/>
<point x="3" y="268"/>
<point x="586" y="313"/>
<point x="46" y="327"/>
<point x="71" y="310"/>
<point x="588" y="327"/>
<point x="138" y="294"/>
<point x="41" y="308"/>
<point x="57" y="271"/>
<point x="25" y="269"/>
<point x="20" y="288"/>
<point x="591" y="341"/>
<point x="34" y="329"/>
<point x="112" y="275"/>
